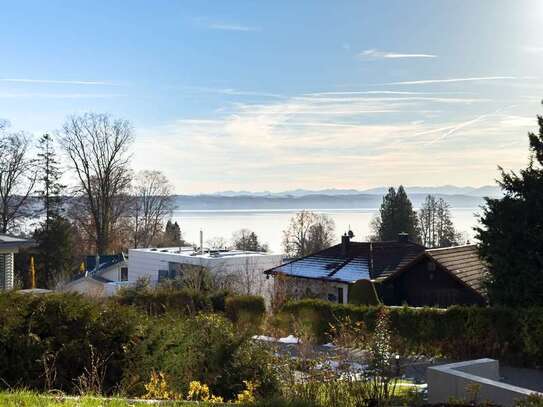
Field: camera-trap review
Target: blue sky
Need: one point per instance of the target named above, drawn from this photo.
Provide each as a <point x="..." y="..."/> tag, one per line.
<point x="285" y="94"/>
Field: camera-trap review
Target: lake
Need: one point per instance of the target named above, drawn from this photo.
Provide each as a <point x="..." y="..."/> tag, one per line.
<point x="268" y="224"/>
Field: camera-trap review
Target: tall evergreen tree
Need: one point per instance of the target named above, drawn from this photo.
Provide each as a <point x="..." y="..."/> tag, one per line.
<point x="172" y="235"/>
<point x="511" y="233"/>
<point x="49" y="177"/>
<point x="396" y="215"/>
<point x="55" y="235"/>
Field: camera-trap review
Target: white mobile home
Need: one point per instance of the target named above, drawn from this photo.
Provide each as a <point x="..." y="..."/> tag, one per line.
<point x="241" y="271"/>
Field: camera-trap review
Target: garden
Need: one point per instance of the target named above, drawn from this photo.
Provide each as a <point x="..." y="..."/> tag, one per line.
<point x="180" y="346"/>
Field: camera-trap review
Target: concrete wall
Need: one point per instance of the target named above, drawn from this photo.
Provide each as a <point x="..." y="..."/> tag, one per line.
<point x="455" y="380"/>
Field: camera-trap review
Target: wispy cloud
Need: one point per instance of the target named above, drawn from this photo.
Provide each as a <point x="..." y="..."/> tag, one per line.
<point x="232" y="91"/>
<point x="7" y="95"/>
<point x="57" y="82"/>
<point x="231" y="27"/>
<point x="453" y="80"/>
<point x="357" y="139"/>
<point x="370" y="92"/>
<point x="377" y="54"/>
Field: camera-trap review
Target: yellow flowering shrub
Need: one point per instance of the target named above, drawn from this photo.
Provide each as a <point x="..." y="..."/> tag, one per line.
<point x="200" y="392"/>
<point x="247" y="395"/>
<point x="158" y="388"/>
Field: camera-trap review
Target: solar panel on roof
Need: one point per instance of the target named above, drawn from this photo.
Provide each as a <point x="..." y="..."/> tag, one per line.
<point x="354" y="270"/>
<point x="314" y="267"/>
<point x="325" y="268"/>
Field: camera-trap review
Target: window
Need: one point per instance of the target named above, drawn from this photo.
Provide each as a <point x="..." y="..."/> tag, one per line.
<point x="124" y="273"/>
<point x="175" y="270"/>
<point x="162" y="275"/>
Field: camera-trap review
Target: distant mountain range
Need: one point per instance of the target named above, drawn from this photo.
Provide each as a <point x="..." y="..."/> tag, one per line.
<point x="457" y="197"/>
<point x="484" y="191"/>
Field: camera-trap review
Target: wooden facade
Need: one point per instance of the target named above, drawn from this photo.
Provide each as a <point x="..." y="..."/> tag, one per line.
<point x="439" y="277"/>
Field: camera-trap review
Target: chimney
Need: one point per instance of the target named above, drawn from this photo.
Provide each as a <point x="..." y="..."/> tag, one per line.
<point x="201" y="242"/>
<point x="403" y="237"/>
<point x="345" y="240"/>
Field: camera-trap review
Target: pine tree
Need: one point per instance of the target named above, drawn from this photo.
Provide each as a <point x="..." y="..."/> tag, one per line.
<point x="396" y="215"/>
<point x="49" y="171"/>
<point x="172" y="235"/>
<point x="55" y="236"/>
<point x="511" y="233"/>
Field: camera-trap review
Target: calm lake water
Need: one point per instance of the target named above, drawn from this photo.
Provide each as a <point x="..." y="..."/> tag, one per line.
<point x="269" y="224"/>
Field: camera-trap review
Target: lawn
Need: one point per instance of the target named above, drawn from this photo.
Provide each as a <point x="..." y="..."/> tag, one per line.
<point x="30" y="399"/>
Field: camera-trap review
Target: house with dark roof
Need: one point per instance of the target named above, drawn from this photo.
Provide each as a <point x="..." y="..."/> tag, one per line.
<point x="332" y="273"/>
<point x="101" y="277"/>
<point x="437" y="277"/>
<point x="398" y="272"/>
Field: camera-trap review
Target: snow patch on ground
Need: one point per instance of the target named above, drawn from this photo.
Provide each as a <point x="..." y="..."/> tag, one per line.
<point x="289" y="340"/>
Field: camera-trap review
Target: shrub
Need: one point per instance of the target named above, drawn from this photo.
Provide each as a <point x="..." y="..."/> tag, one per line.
<point x="218" y="300"/>
<point x="363" y="293"/>
<point x="164" y="299"/>
<point x="50" y="341"/>
<point x="459" y="332"/>
<point x="246" y="312"/>
<point x="203" y="348"/>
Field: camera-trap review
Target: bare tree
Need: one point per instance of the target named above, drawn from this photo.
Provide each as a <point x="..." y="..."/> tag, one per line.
<point x="17" y="178"/>
<point x="152" y="205"/>
<point x="307" y="233"/>
<point x="217" y="243"/>
<point x="436" y="226"/>
<point x="97" y="146"/>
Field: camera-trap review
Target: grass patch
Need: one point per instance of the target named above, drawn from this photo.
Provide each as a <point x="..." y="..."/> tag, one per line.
<point x="31" y="399"/>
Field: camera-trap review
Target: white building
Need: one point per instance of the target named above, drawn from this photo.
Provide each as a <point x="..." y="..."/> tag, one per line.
<point x="102" y="276"/>
<point x="9" y="246"/>
<point x="241" y="271"/>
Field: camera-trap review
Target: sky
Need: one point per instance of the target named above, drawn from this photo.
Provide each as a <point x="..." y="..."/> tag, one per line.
<point x="278" y="95"/>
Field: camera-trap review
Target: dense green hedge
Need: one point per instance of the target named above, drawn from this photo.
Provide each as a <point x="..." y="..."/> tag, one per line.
<point x="247" y="311"/>
<point x="64" y="332"/>
<point x="61" y="334"/>
<point x="512" y="335"/>
<point x="158" y="301"/>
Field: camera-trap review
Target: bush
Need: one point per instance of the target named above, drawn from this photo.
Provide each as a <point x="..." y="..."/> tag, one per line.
<point x="218" y="300"/>
<point x="246" y="311"/>
<point x="204" y="348"/>
<point x="164" y="299"/>
<point x="459" y="332"/>
<point x="50" y="341"/>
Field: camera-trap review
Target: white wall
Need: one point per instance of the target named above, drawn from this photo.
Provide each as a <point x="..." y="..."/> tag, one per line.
<point x="454" y="381"/>
<point x="6" y="272"/>
<point x="113" y="273"/>
<point x="246" y="270"/>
